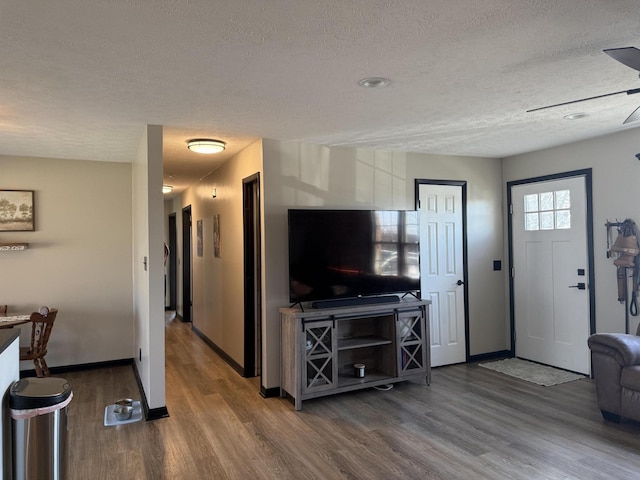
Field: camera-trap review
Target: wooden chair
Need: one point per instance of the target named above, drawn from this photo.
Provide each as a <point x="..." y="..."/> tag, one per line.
<point x="41" y="326"/>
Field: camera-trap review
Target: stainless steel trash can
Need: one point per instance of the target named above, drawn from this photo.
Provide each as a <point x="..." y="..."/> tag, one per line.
<point x="40" y="428"/>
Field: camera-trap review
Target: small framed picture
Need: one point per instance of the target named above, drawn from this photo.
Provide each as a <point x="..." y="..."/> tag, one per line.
<point x="199" y="238"/>
<point x="216" y="235"/>
<point x="17" y="211"/>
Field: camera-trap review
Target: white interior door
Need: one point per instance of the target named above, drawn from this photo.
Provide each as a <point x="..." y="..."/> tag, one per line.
<point x="550" y="276"/>
<point x="442" y="270"/>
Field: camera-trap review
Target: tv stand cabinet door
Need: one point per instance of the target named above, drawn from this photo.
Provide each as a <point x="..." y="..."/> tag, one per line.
<point x="412" y="342"/>
<point x="318" y="348"/>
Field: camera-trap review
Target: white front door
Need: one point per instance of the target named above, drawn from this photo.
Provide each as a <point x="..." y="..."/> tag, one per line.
<point x="442" y="270"/>
<point x="550" y="276"/>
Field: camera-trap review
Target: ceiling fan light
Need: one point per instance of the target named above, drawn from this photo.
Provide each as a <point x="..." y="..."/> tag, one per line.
<point x="205" y="145"/>
<point x="576" y="116"/>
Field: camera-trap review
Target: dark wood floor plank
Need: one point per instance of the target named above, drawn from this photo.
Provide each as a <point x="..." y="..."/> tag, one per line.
<point x="469" y="423"/>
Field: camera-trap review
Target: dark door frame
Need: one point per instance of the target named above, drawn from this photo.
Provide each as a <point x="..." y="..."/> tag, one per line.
<point x="186" y="264"/>
<point x="172" y="275"/>
<point x="252" y="276"/>
<point x="465" y="268"/>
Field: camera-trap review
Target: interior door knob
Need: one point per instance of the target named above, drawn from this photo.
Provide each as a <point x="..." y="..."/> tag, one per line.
<point x="579" y="286"/>
<point x="459" y="282"/>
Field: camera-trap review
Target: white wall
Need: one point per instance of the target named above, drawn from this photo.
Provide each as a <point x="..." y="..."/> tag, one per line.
<point x="148" y="280"/>
<point x="616" y="196"/>
<point x="303" y="175"/>
<point x="79" y="258"/>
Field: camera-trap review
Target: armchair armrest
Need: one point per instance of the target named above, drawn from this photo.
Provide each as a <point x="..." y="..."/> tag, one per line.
<point x="624" y="348"/>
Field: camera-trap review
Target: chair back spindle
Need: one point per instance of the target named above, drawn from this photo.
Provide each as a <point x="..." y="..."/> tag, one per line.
<point x="41" y="326"/>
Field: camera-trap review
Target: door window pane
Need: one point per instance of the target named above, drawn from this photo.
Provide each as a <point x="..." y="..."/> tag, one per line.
<point x="531" y="203"/>
<point x="531" y="221"/>
<point x="546" y="201"/>
<point x="563" y="199"/>
<point x="563" y="219"/>
<point x="546" y="220"/>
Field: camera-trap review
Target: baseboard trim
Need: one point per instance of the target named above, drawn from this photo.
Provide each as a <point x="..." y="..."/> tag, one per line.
<point x="490" y="356"/>
<point x="156" y="413"/>
<point x="232" y="363"/>
<point x="80" y="367"/>
<point x="269" y="392"/>
<point x="153" y="413"/>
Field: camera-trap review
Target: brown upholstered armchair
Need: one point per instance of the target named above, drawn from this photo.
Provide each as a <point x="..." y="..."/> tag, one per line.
<point x="616" y="369"/>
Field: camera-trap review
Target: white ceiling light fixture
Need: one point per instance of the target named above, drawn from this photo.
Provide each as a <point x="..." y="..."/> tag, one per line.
<point x="205" y="145"/>
<point x="167" y="188"/>
<point x="374" y="82"/>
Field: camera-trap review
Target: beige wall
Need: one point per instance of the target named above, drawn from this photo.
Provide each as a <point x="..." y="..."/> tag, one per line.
<point x="302" y="175"/>
<point x="79" y="258"/>
<point x="218" y="282"/>
<point x="488" y="325"/>
<point x="616" y="173"/>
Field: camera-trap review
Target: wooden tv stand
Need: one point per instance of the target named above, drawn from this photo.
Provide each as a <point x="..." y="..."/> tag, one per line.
<point x="319" y="348"/>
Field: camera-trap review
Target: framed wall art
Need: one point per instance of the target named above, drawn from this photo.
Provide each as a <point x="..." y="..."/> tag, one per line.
<point x="216" y="235"/>
<point x="199" y="238"/>
<point x="17" y="211"/>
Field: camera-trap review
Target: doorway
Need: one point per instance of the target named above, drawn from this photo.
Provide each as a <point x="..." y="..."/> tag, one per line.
<point x="443" y="267"/>
<point x="252" y="276"/>
<point x="551" y="260"/>
<point x="187" y="297"/>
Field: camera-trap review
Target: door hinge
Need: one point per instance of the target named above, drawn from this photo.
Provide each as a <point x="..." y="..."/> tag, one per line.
<point x="513" y="272"/>
<point x="511" y="209"/>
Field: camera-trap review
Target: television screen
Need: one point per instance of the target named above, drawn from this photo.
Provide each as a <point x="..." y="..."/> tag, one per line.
<point x="352" y="253"/>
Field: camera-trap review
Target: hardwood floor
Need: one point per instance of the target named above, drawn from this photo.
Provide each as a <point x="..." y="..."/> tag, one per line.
<point x="471" y="423"/>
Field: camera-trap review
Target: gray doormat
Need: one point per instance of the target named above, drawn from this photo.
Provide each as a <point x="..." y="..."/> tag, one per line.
<point x="532" y="372"/>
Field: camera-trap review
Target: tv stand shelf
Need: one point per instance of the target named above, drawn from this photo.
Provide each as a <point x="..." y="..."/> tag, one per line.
<point x="373" y="376"/>
<point x="319" y="347"/>
<point x="361" y="342"/>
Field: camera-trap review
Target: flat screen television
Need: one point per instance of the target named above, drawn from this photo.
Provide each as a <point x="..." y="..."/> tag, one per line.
<point x="336" y="254"/>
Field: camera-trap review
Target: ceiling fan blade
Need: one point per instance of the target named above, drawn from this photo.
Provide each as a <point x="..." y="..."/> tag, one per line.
<point x="634" y="117"/>
<point x="583" y="100"/>
<point x="629" y="56"/>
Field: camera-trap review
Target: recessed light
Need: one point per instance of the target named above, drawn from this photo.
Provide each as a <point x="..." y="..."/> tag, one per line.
<point x="205" y="145"/>
<point x="374" y="82"/>
<point x="576" y="116"/>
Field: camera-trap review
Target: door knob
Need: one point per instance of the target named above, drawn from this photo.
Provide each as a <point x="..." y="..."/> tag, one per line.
<point x="579" y="286"/>
<point x="459" y="282"/>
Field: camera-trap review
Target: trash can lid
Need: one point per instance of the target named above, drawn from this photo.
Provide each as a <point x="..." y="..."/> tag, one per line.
<point x="38" y="392"/>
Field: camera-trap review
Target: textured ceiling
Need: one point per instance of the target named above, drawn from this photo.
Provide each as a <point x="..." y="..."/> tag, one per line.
<point x="80" y="79"/>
